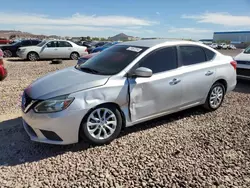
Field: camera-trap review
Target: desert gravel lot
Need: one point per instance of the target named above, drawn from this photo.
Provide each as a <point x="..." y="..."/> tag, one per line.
<point x="187" y="149"/>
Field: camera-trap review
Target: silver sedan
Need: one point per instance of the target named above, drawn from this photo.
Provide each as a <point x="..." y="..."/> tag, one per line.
<point x="52" y="49"/>
<point x="129" y="83"/>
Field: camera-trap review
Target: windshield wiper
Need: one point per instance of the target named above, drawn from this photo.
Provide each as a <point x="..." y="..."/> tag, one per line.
<point x="89" y="70"/>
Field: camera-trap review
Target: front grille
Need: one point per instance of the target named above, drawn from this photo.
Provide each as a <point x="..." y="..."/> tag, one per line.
<point x="243" y="72"/>
<point x="243" y="62"/>
<point x="51" y="135"/>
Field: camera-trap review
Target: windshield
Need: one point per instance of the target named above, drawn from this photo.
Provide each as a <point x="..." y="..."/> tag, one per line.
<point x="108" y="44"/>
<point x="112" y="60"/>
<point x="42" y="43"/>
<point x="247" y="50"/>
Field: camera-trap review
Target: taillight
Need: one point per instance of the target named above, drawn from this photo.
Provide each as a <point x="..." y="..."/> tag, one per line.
<point x="1" y="61"/>
<point x="86" y="50"/>
<point x="234" y="64"/>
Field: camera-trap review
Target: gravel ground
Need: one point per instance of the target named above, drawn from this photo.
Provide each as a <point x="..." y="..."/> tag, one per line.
<point x="187" y="149"/>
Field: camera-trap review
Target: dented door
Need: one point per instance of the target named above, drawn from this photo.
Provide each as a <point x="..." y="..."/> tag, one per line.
<point x="157" y="94"/>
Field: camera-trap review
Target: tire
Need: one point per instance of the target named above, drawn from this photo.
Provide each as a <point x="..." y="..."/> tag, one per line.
<point x="74" y="56"/>
<point x="217" y="92"/>
<point x="32" y="56"/>
<point x="92" y="126"/>
<point x="7" y="53"/>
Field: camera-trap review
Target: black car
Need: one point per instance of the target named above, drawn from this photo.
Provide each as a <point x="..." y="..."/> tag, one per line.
<point x="11" y="49"/>
<point x="91" y="45"/>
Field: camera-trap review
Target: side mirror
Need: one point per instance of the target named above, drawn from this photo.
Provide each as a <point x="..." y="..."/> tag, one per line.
<point x="143" y="72"/>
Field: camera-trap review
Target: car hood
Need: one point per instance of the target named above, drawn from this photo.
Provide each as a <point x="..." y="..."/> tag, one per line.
<point x="30" y="48"/>
<point x="242" y="57"/>
<point x="64" y="82"/>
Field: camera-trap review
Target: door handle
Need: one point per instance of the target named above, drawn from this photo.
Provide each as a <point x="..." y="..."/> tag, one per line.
<point x="209" y="73"/>
<point x="174" y="81"/>
<point x="55" y="49"/>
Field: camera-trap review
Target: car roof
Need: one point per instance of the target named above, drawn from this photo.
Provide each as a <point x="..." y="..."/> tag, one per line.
<point x="153" y="42"/>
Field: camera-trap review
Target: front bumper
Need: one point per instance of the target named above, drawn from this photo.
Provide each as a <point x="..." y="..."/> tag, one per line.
<point x="53" y="128"/>
<point x="243" y="71"/>
<point x="21" y="55"/>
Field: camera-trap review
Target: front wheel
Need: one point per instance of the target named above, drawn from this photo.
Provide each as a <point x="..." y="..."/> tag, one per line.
<point x="215" y="97"/>
<point x="32" y="56"/>
<point x="102" y="125"/>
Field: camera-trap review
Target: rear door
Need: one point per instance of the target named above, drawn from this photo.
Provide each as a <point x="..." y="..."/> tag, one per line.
<point x="198" y="70"/>
<point x="64" y="49"/>
<point x="159" y="93"/>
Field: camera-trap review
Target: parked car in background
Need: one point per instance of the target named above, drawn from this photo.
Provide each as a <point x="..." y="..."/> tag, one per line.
<point x="3" y="70"/>
<point x="84" y="58"/>
<point x="105" y="46"/>
<point x="214" y="46"/>
<point x="224" y="46"/>
<point x="231" y="47"/>
<point x="52" y="49"/>
<point x="4" y="41"/>
<point x="129" y="83"/>
<point x="11" y="49"/>
<point x="243" y="64"/>
<point x="94" y="44"/>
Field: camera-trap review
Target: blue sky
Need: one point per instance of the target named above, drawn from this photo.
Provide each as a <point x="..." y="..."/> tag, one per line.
<point x="143" y="18"/>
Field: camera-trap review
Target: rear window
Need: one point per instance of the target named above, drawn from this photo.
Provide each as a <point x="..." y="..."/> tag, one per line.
<point x="114" y="59"/>
<point x="209" y="54"/>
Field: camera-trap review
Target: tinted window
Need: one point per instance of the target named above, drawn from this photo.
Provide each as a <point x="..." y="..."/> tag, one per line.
<point x="247" y="51"/>
<point x="35" y="42"/>
<point x="64" y="44"/>
<point x="26" y="43"/>
<point x="52" y="44"/>
<point x="113" y="60"/>
<point x="192" y="55"/>
<point x="209" y="54"/>
<point x="161" y="60"/>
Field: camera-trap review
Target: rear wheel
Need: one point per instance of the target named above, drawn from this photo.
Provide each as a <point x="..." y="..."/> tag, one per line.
<point x="7" y="53"/>
<point x="33" y="56"/>
<point x="215" y="97"/>
<point x="102" y="125"/>
<point x="74" y="56"/>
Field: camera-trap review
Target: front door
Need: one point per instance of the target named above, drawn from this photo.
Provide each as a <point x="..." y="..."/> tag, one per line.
<point x="50" y="50"/>
<point x="159" y="93"/>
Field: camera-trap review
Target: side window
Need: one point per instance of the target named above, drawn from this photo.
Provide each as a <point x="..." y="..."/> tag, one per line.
<point x="26" y="43"/>
<point x="64" y="44"/>
<point x="191" y="55"/>
<point x="209" y="54"/>
<point x="35" y="42"/>
<point x="52" y="44"/>
<point x="161" y="60"/>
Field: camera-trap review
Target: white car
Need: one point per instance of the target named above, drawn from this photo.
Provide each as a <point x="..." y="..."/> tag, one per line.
<point x="52" y="49"/>
<point x="243" y="64"/>
<point x="224" y="46"/>
<point x="214" y="46"/>
<point x="232" y="47"/>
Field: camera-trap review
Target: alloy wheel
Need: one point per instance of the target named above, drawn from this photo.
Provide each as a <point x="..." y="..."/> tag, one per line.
<point x="33" y="57"/>
<point x="216" y="97"/>
<point x="101" y="123"/>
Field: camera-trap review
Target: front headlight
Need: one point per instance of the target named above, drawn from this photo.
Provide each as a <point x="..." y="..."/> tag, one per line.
<point x="22" y="50"/>
<point x="56" y="104"/>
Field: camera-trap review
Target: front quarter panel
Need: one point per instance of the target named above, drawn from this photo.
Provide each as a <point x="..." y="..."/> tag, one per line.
<point x="114" y="91"/>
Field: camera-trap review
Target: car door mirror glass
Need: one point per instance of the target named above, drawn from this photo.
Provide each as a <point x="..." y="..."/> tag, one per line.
<point x="143" y="72"/>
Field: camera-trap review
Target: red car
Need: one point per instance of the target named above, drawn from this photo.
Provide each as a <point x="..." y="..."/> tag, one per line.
<point x="3" y="71"/>
<point x="5" y="41"/>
